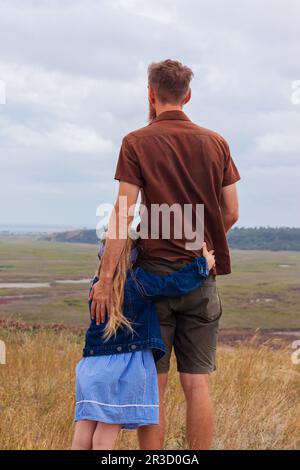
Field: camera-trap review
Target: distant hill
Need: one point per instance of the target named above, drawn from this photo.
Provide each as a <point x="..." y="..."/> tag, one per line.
<point x="73" y="236"/>
<point x="265" y="238"/>
<point x="261" y="238"/>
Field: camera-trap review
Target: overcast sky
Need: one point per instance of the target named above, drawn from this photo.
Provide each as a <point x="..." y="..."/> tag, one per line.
<point x="75" y="74"/>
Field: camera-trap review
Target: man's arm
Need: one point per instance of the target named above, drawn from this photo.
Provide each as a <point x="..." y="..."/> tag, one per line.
<point x="186" y="279"/>
<point x="229" y="206"/>
<point x="119" y="221"/>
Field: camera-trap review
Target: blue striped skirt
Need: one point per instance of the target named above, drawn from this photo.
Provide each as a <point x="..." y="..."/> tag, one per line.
<point x="118" y="388"/>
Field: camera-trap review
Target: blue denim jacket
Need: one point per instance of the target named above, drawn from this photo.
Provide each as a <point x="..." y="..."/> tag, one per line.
<point x="141" y="290"/>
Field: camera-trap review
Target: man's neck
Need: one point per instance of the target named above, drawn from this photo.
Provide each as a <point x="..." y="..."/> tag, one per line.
<point x="167" y="107"/>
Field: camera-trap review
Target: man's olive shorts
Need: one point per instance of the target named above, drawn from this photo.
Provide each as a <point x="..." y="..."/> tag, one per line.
<point x="190" y="323"/>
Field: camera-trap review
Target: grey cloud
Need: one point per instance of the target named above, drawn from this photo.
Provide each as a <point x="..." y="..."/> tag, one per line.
<point x="75" y="73"/>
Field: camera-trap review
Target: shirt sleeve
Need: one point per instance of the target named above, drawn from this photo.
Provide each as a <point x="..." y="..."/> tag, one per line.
<point x="128" y="168"/>
<point x="230" y="172"/>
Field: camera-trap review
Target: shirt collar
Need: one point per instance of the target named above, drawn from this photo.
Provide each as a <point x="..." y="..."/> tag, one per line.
<point x="172" y="114"/>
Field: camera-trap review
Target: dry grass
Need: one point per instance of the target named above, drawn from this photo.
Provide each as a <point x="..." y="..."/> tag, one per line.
<point x="256" y="393"/>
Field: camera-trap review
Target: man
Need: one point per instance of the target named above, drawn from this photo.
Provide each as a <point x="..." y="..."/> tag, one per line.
<point x="174" y="161"/>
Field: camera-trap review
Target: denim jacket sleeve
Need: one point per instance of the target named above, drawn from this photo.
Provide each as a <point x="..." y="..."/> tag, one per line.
<point x="178" y="283"/>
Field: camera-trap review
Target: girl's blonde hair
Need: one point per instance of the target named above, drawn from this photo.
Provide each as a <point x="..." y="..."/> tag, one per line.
<point x="116" y="316"/>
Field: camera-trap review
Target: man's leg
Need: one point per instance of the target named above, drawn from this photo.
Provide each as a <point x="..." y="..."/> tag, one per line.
<point x="195" y="342"/>
<point x="199" y="410"/>
<point x="152" y="437"/>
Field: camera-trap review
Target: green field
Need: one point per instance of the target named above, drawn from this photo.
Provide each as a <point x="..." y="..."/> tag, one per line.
<point x="263" y="290"/>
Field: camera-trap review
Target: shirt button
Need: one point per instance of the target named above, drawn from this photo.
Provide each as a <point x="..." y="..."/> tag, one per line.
<point x="133" y="346"/>
<point x="91" y="352"/>
<point x="119" y="348"/>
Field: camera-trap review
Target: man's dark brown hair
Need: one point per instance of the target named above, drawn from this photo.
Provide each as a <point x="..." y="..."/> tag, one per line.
<point x="170" y="80"/>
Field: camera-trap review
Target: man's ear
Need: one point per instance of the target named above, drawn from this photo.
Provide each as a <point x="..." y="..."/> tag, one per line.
<point x="151" y="94"/>
<point x="187" y="97"/>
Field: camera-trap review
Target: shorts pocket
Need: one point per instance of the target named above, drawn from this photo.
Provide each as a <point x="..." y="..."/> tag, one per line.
<point x="211" y="308"/>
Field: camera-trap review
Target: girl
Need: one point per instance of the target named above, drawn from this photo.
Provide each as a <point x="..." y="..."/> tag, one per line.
<point x="116" y="380"/>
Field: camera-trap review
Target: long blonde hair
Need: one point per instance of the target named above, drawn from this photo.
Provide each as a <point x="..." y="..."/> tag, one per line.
<point x="116" y="316"/>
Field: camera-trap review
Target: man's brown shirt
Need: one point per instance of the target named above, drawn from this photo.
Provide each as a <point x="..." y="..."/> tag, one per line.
<point x="173" y="160"/>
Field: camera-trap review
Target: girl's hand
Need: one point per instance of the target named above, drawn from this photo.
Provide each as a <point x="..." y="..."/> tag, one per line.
<point x="101" y="297"/>
<point x="209" y="255"/>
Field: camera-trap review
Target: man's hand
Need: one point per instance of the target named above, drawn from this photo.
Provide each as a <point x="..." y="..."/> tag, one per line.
<point x="209" y="255"/>
<point x="101" y="297"/>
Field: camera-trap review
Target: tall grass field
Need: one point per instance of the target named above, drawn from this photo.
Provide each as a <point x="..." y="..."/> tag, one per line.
<point x="256" y="388"/>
